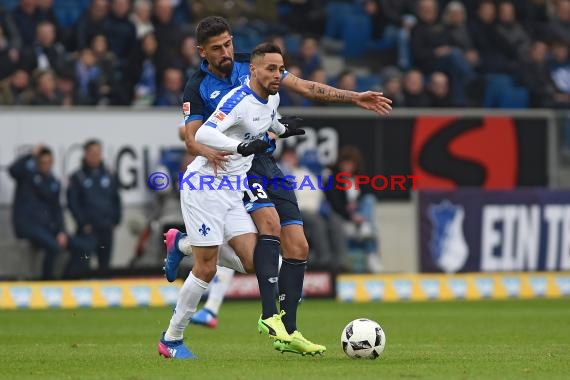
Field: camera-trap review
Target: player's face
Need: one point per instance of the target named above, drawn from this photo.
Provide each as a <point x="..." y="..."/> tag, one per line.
<point x="219" y="52"/>
<point x="267" y="72"/>
<point x="45" y="163"/>
<point x="93" y="156"/>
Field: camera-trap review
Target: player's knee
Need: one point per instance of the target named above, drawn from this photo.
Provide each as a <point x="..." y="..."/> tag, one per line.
<point x="204" y="272"/>
<point x="297" y="249"/>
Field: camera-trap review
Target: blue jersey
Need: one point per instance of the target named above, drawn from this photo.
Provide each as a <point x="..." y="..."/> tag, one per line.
<point x="204" y="90"/>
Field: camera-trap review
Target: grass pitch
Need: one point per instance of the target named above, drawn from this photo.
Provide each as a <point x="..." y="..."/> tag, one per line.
<point x="445" y="340"/>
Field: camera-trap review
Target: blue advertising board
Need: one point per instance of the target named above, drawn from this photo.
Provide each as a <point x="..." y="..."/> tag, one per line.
<point x="475" y="230"/>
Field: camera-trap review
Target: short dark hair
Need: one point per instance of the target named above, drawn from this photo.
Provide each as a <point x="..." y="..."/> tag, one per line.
<point x="89" y="143"/>
<point x="44" y="151"/>
<point x="264" y="48"/>
<point x="210" y="27"/>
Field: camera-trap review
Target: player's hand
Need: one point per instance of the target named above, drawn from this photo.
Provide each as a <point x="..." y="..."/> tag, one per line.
<point x="292" y="123"/>
<point x="374" y="101"/>
<point x="252" y="147"/>
<point x="218" y="158"/>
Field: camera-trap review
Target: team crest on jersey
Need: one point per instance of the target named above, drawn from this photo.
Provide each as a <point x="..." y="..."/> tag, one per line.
<point x="219" y="115"/>
<point x="186" y="108"/>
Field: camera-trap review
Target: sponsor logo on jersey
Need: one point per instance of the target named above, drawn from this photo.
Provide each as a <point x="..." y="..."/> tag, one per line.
<point x="219" y="115"/>
<point x="186" y="108"/>
<point x="214" y="94"/>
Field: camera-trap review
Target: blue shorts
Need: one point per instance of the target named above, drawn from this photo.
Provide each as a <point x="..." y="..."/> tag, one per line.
<point x="268" y="188"/>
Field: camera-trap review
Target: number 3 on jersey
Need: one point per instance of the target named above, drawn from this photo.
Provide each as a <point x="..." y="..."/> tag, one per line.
<point x="256" y="192"/>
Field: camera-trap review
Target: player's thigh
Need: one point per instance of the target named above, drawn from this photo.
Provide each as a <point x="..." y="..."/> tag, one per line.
<point x="204" y="213"/>
<point x="266" y="220"/>
<point x="240" y="232"/>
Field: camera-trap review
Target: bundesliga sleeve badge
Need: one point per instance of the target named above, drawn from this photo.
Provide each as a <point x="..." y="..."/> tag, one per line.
<point x="186" y="108"/>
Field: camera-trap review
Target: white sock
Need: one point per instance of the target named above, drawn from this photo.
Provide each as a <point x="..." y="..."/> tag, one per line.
<point x="185" y="246"/>
<point x="188" y="300"/>
<point x="218" y="289"/>
<point x="227" y="258"/>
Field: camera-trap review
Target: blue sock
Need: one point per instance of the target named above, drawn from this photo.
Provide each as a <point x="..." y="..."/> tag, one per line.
<point x="266" y="263"/>
<point x="291" y="279"/>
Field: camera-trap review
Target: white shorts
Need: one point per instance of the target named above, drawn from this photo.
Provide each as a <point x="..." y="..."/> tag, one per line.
<point x="213" y="217"/>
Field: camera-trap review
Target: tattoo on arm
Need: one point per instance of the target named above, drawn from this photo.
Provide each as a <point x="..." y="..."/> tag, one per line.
<point x="328" y="94"/>
<point x="320" y="92"/>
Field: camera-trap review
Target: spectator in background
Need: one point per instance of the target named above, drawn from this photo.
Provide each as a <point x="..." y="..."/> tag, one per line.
<point x="559" y="66"/>
<point x="325" y="235"/>
<point x="92" y="22"/>
<point x="89" y="79"/>
<point x="16" y="90"/>
<point x="171" y="88"/>
<point x="356" y="208"/>
<point x="432" y="51"/>
<point x="46" y="93"/>
<point x="309" y="58"/>
<point x="305" y="16"/>
<point x="560" y="24"/>
<point x="189" y="57"/>
<point x="94" y="201"/>
<point x="24" y="20"/>
<point x="392" y="87"/>
<point x="414" y="93"/>
<point x="392" y="22"/>
<point x="9" y="55"/>
<point x="535" y="75"/>
<point x="346" y="80"/>
<point x="438" y="91"/>
<point x="454" y="19"/>
<point x="515" y="38"/>
<point x="46" y="53"/>
<point x="65" y="86"/>
<point x="143" y="72"/>
<point x="140" y="17"/>
<point x="105" y="60"/>
<point x="488" y="42"/>
<point x="168" y="35"/>
<point x="37" y="214"/>
<point x="120" y="31"/>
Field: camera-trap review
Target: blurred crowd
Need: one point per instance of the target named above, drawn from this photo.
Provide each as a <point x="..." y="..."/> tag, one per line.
<point x="421" y="53"/>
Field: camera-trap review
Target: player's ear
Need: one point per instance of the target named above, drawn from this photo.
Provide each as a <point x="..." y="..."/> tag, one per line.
<point x="251" y="69"/>
<point x="201" y="51"/>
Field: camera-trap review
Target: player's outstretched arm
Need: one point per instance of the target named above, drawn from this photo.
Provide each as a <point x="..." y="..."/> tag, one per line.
<point x="370" y="100"/>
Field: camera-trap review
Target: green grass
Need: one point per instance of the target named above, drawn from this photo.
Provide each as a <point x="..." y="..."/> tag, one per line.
<point x="447" y="340"/>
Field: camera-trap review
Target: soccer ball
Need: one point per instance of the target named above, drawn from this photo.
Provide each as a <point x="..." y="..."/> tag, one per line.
<point x="363" y="338"/>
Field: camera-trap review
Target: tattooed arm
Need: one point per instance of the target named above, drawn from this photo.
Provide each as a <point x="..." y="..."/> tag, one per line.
<point x="323" y="93"/>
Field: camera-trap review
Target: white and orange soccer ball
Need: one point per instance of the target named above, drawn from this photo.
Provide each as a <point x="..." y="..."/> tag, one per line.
<point x="363" y="338"/>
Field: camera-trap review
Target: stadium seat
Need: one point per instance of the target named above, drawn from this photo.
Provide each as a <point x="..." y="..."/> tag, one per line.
<point x="356" y="35"/>
<point x="501" y="92"/>
<point x="337" y="13"/>
<point x="367" y="82"/>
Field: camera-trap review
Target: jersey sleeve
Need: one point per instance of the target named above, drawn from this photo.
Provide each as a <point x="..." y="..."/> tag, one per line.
<point x="192" y="104"/>
<point x="226" y="115"/>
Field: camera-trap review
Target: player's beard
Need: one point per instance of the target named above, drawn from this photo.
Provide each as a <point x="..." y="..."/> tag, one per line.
<point x="226" y="66"/>
<point x="272" y="88"/>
